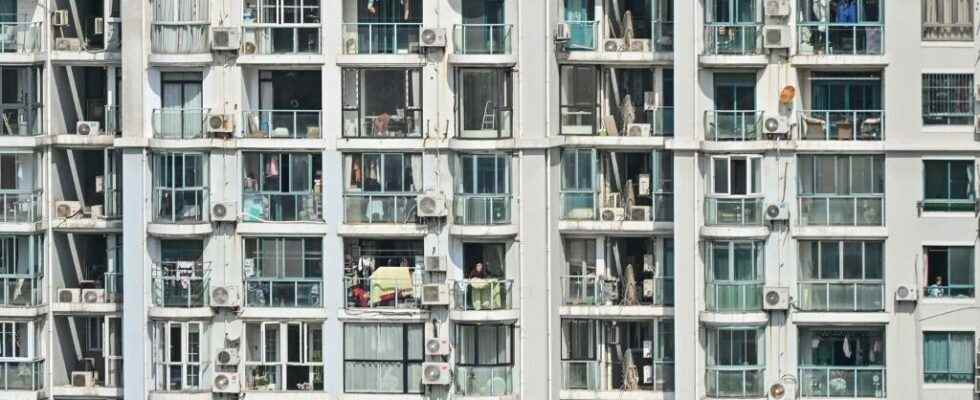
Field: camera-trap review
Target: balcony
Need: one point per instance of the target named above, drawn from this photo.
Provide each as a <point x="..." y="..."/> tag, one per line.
<point x="22" y="375"/>
<point x="591" y="290"/>
<point x="382" y="38"/>
<point x="387" y="288"/>
<point x="733" y="211"/>
<point x="282" y="124"/>
<point x="484" y="380"/>
<point x="844" y="39"/>
<point x="283" y="292"/>
<point x="380" y="208"/>
<point x="733" y="125"/>
<point x="846" y="382"/>
<point x="20" y="208"/>
<point x="293" y="207"/>
<point x="481" y="209"/>
<point x="584" y="37"/>
<point x="735" y="381"/>
<point x="586" y="375"/>
<point x="482" y="39"/>
<point x="21" y="120"/>
<point x="733" y="297"/>
<point x="482" y="294"/>
<point x="180" y="205"/>
<point x="842" y="125"/>
<point x="181" y="284"/>
<point x="404" y="123"/>
<point x="179" y="123"/>
<point x="20" y="37"/>
<point x="817" y="210"/>
<point x="20" y="291"/>
<point x="181" y="377"/>
<point x="281" y="39"/>
<point x="841" y="296"/>
<point x="733" y="39"/>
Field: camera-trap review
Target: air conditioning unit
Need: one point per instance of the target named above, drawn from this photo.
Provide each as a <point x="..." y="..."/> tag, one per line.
<point x="643" y="185"/>
<point x="67" y="209"/>
<point x="777" y="212"/>
<point x="93" y="296"/>
<point x="563" y="34"/>
<point x="87" y="128"/>
<point x="649" y="263"/>
<point x="224" y="296"/>
<point x="777" y="8"/>
<point x="775" y="298"/>
<point x="436" y="347"/>
<point x="431" y="205"/>
<point x="220" y="123"/>
<point x="434" y="263"/>
<point x="776" y="37"/>
<point x="226" y="39"/>
<point x="83" y="378"/>
<point x="69" y="295"/>
<point x="435" y="373"/>
<point x="648" y="286"/>
<point x="639" y="213"/>
<point x="59" y="18"/>
<point x="433" y="37"/>
<point x="612" y="214"/>
<point x="435" y="294"/>
<point x="613" y="45"/>
<point x="227" y="357"/>
<point x="638" y="130"/>
<point x="98" y="26"/>
<point x="68" y="44"/>
<point x="906" y="293"/>
<point x="224" y="212"/>
<point x="775" y="125"/>
<point x="226" y="382"/>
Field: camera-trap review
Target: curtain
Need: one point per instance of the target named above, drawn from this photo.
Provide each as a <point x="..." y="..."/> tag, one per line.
<point x="935" y="352"/>
<point x="416" y="184"/>
<point x="961" y="353"/>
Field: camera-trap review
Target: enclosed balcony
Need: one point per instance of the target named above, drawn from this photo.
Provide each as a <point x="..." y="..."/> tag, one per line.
<point x="282" y="187"/>
<point x="841" y="190"/>
<point x="484" y="359"/>
<point x="283" y="272"/>
<point x="20" y="38"/>
<point x="20" y="101"/>
<point x="484" y="103"/>
<point x="287" y="105"/>
<point x="180" y="27"/>
<point x="735" y="191"/>
<point x="736" y="363"/>
<point x="373" y="27"/>
<point x="382" y="103"/>
<point x="853" y="28"/>
<point x="645" y="26"/>
<point x="733" y="28"/>
<point x="181" y="284"/>
<point x="20" y="174"/>
<point x="589" y="365"/>
<point x="616" y="186"/>
<point x="843" y="106"/>
<point x="181" y="365"/>
<point x="735" y="276"/>
<point x="841" y="276"/>
<point x="382" y="274"/>
<point x="599" y="101"/>
<point x="179" y="194"/>
<point x="842" y="362"/>
<point x="277" y="27"/>
<point x="483" y="190"/>
<point x="382" y="187"/>
<point x="180" y="123"/>
<point x="25" y="375"/>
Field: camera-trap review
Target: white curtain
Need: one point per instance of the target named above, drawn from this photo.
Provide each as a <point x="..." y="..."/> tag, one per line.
<point x="961" y="353"/>
<point x="376" y="342"/>
<point x="416" y="160"/>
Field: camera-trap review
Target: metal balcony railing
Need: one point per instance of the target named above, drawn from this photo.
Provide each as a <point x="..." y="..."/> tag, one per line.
<point x="733" y="39"/>
<point x="733" y="296"/>
<point x="592" y="290"/>
<point x="22" y="375"/>
<point x="733" y="125"/>
<point x="180" y="205"/>
<point x="181" y="376"/>
<point x="827" y="210"/>
<point x="733" y="210"/>
<point x="481" y="209"/>
<point x="282" y="124"/>
<point x="283" y="292"/>
<point x="381" y="38"/>
<point x="841" y="296"/>
<point x="22" y="207"/>
<point x="842" y="125"/>
<point x="489" y="39"/>
<point x="269" y="39"/>
<point x="820" y="38"/>
<point x="380" y="208"/>
<point x="381" y="293"/>
<point x="20" y="291"/>
<point x="741" y="381"/>
<point x="20" y="120"/>
<point x="484" y="380"/>
<point x="483" y="294"/>
<point x="268" y="207"/>
<point x="113" y="122"/>
<point x="849" y="382"/>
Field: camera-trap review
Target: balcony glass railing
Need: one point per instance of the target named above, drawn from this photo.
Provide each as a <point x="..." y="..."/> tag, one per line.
<point x="22" y="375"/>
<point x="662" y="121"/>
<point x="592" y="290"/>
<point x="482" y="294"/>
<point x="733" y="211"/>
<point x="849" y="382"/>
<point x="732" y="125"/>
<point x="20" y="207"/>
<point x="112" y="124"/>
<point x="271" y="207"/>
<point x="19" y="291"/>
<point x="840" y="38"/>
<point x="181" y="284"/>
<point x="490" y="39"/>
<point x="179" y="205"/>
<point x="375" y="292"/>
<point x="818" y="210"/>
<point x="580" y="206"/>
<point x="20" y="37"/>
<point x="181" y="376"/>
<point x="281" y="39"/>
<point x="113" y="284"/>
<point x="113" y="203"/>
<point x="733" y="39"/>
<point x="190" y="37"/>
<point x="484" y="380"/>
<point x="733" y="296"/>
<point x="481" y="209"/>
<point x="403" y="123"/>
<point x="380" y="208"/>
<point x="663" y="207"/>
<point x="283" y="292"/>
<point x="841" y="124"/>
<point x="949" y="291"/>
<point x="20" y="120"/>
<point x="580" y="375"/>
<point x="179" y="123"/>
<point x="741" y="381"/>
<point x="282" y="124"/>
<point x="582" y="35"/>
<point x="841" y="296"/>
<point x="382" y="38"/>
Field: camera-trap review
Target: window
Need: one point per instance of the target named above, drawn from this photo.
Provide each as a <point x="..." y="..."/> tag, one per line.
<point x="21" y="267"/>
<point x="736" y="175"/>
<point x="16" y="341"/>
<point x="288" y="105"/>
<point x="284" y="356"/>
<point x="283" y="272"/>
<point x="842" y="362"/>
<point x="282" y="11"/>
<point x="579" y="99"/>
<point x="582" y="24"/>
<point x="383" y="358"/>
<point x="382" y="187"/>
<point x="648" y="345"/>
<point x="484" y="103"/>
<point x="382" y="273"/>
<point x="577" y="180"/>
<point x="483" y="189"/>
<point x="20" y="99"/>
<point x="844" y="106"/>
<point x="947" y="20"/>
<point x="179" y="187"/>
<point x="180" y="27"/>
<point x="484" y="359"/>
<point x="578" y="354"/>
<point x="949" y="185"/>
<point x="947" y="99"/>
<point x="182" y="114"/>
<point x="735" y="275"/>
<point x="734" y="116"/>
<point x="949" y="271"/>
<point x="485" y="285"/>
<point x="839" y="28"/>
<point x="841" y="189"/>
<point x="731" y="27"/>
<point x="179" y="355"/>
<point x="580" y="286"/>
<point x="93" y="333"/>
<point x="282" y="187"/>
<point x="382" y="102"/>
<point x="841" y="275"/>
<point x="736" y="362"/>
<point x="180" y="279"/>
<point x="19" y="174"/>
<point x="948" y="357"/>
<point x="261" y="18"/>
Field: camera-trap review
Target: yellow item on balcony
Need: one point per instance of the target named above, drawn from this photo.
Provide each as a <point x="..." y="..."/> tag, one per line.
<point x="485" y="294"/>
<point x="390" y="284"/>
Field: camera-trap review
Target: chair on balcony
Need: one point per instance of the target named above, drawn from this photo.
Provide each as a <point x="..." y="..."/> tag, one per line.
<point x="870" y="128"/>
<point x="816" y="128"/>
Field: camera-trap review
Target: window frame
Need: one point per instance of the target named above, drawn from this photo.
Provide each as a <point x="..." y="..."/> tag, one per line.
<point x="460" y="333"/>
<point x="948" y="371"/>
<point x="949" y="203"/>
<point x="963" y="30"/>
<point x="503" y="94"/>
<point x="945" y="85"/>
<point x="383" y="159"/>
<point x="354" y="100"/>
<point x="162" y="331"/>
<point x="280" y="259"/>
<point x="406" y="359"/>
<point x="944" y="291"/>
<point x="9" y="332"/>
<point x="280" y="363"/>
<point x="591" y="109"/>
<point x="500" y="160"/>
<point x="753" y="172"/>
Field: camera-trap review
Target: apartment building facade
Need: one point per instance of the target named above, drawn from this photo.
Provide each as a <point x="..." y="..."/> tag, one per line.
<point x="488" y="199"/>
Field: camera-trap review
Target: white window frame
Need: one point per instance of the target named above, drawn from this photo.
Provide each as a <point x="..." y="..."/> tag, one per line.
<point x="753" y="165"/>
<point x="187" y="360"/>
<point x="280" y="361"/>
<point x="8" y="331"/>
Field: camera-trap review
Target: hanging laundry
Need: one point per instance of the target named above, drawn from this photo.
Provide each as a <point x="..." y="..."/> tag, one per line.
<point x="407" y="4"/>
<point x="370" y="6"/>
<point x="846" y="348"/>
<point x="272" y="168"/>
